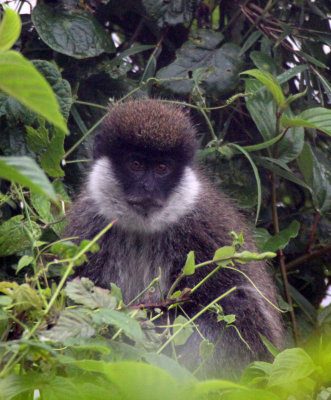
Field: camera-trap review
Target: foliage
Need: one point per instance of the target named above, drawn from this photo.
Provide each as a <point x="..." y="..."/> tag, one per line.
<point x="255" y="77"/>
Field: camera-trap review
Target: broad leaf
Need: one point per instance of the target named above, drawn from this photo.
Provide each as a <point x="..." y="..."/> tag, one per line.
<point x="83" y="291"/>
<point x="119" y="320"/>
<point x="278" y="241"/>
<point x="74" y="32"/>
<point x="16" y="235"/>
<point x="201" y="51"/>
<point x="74" y="323"/>
<point x="10" y="29"/>
<point x="316" y="171"/>
<point x="185" y="332"/>
<point x="189" y="267"/>
<point x="20" y="79"/>
<point x="262" y="109"/>
<point x="270" y="82"/>
<point x="26" y="172"/>
<point x="318" y="118"/>
<point x="290" y="366"/>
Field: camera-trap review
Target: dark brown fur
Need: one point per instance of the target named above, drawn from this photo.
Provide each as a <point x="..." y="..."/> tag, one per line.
<point x="131" y="259"/>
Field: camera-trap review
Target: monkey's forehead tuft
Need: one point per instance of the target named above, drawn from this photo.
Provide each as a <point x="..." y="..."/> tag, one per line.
<point x="151" y="123"/>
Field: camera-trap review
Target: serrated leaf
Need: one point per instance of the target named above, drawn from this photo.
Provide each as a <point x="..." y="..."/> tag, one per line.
<point x="74" y="32"/>
<point x="206" y="348"/>
<point x="71" y="323"/>
<point x="37" y="139"/>
<point x="270" y="82"/>
<point x="49" y="212"/>
<point x="189" y="267"/>
<point x="197" y="53"/>
<point x="83" y="291"/>
<point x="53" y="155"/>
<point x="10" y="28"/>
<point x="14" y="236"/>
<point x="61" y="87"/>
<point x="290" y="366"/>
<point x="26" y="172"/>
<point x="21" y="80"/>
<point x="25" y="298"/>
<point x="119" y="320"/>
<point x="184" y="333"/>
<point x="166" y="13"/>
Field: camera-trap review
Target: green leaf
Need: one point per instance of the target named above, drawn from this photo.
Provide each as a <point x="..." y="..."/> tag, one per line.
<point x="53" y="155"/>
<point x="318" y="118"/>
<point x="264" y="145"/>
<point x="206" y="348"/>
<point x="83" y="291"/>
<point x="119" y="320"/>
<point x="279" y="240"/>
<point x="224" y="252"/>
<point x="24" y="262"/>
<point x="263" y="62"/>
<point x="290" y="366"/>
<point x="270" y="82"/>
<point x="316" y="171"/>
<point x="189" y="267"/>
<point x="26" y="172"/>
<point x="262" y="109"/>
<point x="16" y="235"/>
<point x="25" y="298"/>
<point x="278" y="169"/>
<point x="73" y="32"/>
<point x="199" y="52"/>
<point x="257" y="178"/>
<point x="74" y="323"/>
<point x="49" y="212"/>
<point x="184" y="333"/>
<point x="169" y="365"/>
<point x="249" y="256"/>
<point x="167" y="13"/>
<point x="291" y="73"/>
<point x="61" y="87"/>
<point x="20" y="79"/>
<point x="10" y="28"/>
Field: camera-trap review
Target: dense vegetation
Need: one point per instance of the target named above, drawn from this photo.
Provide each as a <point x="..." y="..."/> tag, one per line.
<point x="254" y="76"/>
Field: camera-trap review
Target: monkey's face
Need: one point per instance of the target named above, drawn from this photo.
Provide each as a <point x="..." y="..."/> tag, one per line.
<point x="146" y="190"/>
<point x="147" y="178"/>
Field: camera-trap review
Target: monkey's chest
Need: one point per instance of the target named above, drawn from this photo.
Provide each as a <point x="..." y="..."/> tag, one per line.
<point x="132" y="263"/>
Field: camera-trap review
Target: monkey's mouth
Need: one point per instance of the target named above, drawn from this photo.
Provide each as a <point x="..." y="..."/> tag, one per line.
<point x="146" y="206"/>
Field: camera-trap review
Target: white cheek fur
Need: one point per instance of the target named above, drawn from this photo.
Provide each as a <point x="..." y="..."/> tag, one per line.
<point x="106" y="192"/>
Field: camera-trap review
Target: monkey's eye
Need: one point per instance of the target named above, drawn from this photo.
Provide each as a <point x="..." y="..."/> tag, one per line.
<point x="136" y="165"/>
<point x="161" y="169"/>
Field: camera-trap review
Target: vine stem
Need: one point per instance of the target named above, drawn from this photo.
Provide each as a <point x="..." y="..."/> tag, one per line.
<point x="280" y="252"/>
<point x="195" y="317"/>
<point x="12" y="361"/>
<point x="313" y="231"/>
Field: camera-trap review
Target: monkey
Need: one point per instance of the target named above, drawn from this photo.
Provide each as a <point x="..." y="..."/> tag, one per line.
<point x="145" y="175"/>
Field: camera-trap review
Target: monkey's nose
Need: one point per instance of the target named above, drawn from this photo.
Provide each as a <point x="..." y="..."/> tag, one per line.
<point x="146" y="205"/>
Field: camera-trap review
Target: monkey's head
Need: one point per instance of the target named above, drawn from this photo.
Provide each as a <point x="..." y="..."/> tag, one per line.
<point x="143" y="172"/>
